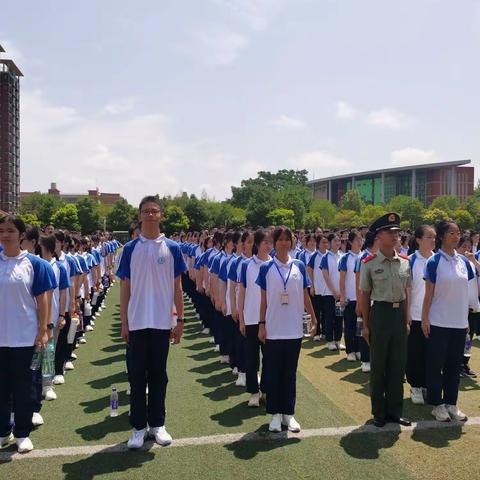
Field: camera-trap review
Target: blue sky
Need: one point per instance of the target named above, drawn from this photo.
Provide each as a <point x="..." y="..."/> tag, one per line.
<point x="171" y="95"/>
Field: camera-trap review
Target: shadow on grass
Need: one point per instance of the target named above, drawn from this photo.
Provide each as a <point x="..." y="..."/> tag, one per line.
<point x="114" y="348"/>
<point x="109" y="360"/>
<point x="204" y="355"/>
<point x="342" y="366"/>
<point x="224" y="392"/>
<point x="324" y="353"/>
<point x="198" y="346"/>
<point x="367" y="445"/>
<point x="108" y="382"/>
<point x="259" y="441"/>
<point x="102" y="463"/>
<point x="102" y="403"/>
<point x="217" y="380"/>
<point x="101" y="429"/>
<point x="438" y="437"/>
<point x="208" y="368"/>
<point x="468" y="385"/>
<point x="236" y="415"/>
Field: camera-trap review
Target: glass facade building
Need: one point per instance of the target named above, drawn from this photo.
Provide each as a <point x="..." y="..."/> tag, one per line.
<point x="423" y="182"/>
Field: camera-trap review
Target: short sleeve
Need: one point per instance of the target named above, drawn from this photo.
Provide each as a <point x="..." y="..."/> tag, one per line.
<point x="365" y="280"/>
<point x="342" y="264"/>
<point x="358" y="264"/>
<point x="311" y="262"/>
<point x="222" y="273"/>
<point x="430" y="272"/>
<point x="471" y="273"/>
<point x="306" y="280"/>
<point x="179" y="265"/>
<point x="123" y="271"/>
<point x="232" y="272"/>
<point x="262" y="276"/>
<point x="324" y="262"/>
<point x="43" y="276"/>
<point x="243" y="274"/>
<point x="64" y="281"/>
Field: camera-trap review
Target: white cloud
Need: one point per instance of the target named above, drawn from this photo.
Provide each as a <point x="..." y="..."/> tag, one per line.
<point x="345" y="111"/>
<point x="119" y="106"/>
<point x="321" y="163"/>
<point x="132" y="154"/>
<point x="390" y="118"/>
<point x="413" y="156"/>
<point x="12" y="52"/>
<point x="289" y="122"/>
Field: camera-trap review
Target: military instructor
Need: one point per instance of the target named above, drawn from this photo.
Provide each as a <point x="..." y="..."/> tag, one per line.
<point x="384" y="282"/>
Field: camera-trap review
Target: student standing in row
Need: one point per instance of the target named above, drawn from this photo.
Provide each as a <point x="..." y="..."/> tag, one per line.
<point x="284" y="298"/>
<point x="150" y="272"/>
<point x="423" y="244"/>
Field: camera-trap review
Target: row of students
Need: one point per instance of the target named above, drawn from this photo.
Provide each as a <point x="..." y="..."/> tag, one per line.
<point x="40" y="279"/>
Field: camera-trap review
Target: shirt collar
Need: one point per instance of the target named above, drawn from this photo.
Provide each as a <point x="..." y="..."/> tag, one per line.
<point x="159" y="239"/>
<point x="447" y="257"/>
<point x="21" y="255"/>
<point x="382" y="257"/>
<point x="280" y="264"/>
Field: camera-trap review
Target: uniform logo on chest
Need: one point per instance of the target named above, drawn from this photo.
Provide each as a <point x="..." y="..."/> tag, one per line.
<point x="161" y="260"/>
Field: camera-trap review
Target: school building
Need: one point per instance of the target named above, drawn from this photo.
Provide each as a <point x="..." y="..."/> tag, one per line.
<point x="424" y="182"/>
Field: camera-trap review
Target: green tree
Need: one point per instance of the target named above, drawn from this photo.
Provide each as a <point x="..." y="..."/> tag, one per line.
<point x="230" y="217"/>
<point x="448" y="203"/>
<point x="121" y="216"/>
<point x="464" y="219"/>
<point x="346" y="219"/>
<point x="290" y="200"/>
<point x="434" y="215"/>
<point x="88" y="215"/>
<point x="351" y="200"/>
<point x="282" y="216"/>
<point x="42" y="205"/>
<point x="371" y="212"/>
<point x="174" y="220"/>
<point x="261" y="203"/>
<point x="30" y="219"/>
<point x="313" y="220"/>
<point x="323" y="210"/>
<point x="197" y="213"/>
<point x="408" y="208"/>
<point x="66" y="217"/>
<point x="472" y="205"/>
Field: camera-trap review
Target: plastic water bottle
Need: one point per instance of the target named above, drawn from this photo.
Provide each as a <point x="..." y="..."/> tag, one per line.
<point x="468" y="346"/>
<point x="114" y="403"/>
<point x="307" y="324"/>
<point x="339" y="309"/>
<point x="48" y="360"/>
<point x="359" y="326"/>
<point x="36" y="359"/>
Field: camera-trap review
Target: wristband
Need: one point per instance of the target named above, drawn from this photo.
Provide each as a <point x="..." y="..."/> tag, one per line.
<point x="50" y="326"/>
<point x="262" y="322"/>
<point x="181" y="320"/>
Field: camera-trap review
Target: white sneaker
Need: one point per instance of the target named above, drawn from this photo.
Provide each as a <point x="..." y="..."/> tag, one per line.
<point x="92" y="322"/>
<point x="455" y="413"/>
<point x="241" y="380"/>
<point x="211" y="340"/>
<point x="225" y="359"/>
<point x="317" y="338"/>
<point x="4" y="441"/>
<point x="366" y="367"/>
<point x="58" y="380"/>
<point x="197" y="316"/>
<point x="276" y="423"/>
<point x="340" y="346"/>
<point x="24" y="445"/>
<point x="101" y="308"/>
<point x="146" y="390"/>
<point x="37" y="419"/>
<point x="351" y="357"/>
<point x="137" y="438"/>
<point x="358" y="355"/>
<point x="441" y="414"/>
<point x="206" y="331"/>
<point x="217" y="348"/>
<point x="82" y="340"/>
<point x="235" y="370"/>
<point x="88" y="328"/>
<point x="49" y="394"/>
<point x="332" y="346"/>
<point x="12" y="419"/>
<point x="128" y="391"/>
<point x="161" y="436"/>
<point x="290" y="422"/>
<point x="254" y="400"/>
<point x="416" y="396"/>
<point x="69" y="366"/>
<point x="73" y="356"/>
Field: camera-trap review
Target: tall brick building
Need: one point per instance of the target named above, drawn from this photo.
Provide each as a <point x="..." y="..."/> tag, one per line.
<point x="9" y="134"/>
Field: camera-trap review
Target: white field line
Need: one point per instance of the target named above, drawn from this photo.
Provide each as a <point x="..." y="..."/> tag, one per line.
<point x="239" y="437"/>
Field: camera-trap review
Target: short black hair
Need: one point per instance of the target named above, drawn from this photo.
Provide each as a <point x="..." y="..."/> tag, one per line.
<point x="279" y="231"/>
<point x="150" y="199"/>
<point x="17" y="221"/>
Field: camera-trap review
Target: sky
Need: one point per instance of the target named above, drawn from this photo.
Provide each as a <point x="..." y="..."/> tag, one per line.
<point x="165" y="96"/>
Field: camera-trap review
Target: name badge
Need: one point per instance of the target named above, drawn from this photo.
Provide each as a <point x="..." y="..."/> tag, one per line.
<point x="284" y="298"/>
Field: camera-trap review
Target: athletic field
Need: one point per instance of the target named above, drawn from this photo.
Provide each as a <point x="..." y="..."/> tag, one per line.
<point x="216" y="436"/>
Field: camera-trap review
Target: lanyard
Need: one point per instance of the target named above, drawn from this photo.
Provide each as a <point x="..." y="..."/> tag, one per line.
<point x="284" y="280"/>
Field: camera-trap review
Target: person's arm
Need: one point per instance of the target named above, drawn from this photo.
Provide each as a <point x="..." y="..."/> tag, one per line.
<point x="365" y="309"/>
<point x="309" y="308"/>
<point x="86" y="288"/>
<point x="241" y="304"/>
<point x="312" y="286"/>
<point x="62" y="300"/>
<point x="178" y="300"/>
<point x="222" y="295"/>
<point x="342" y="287"/>
<point x="124" y="300"/>
<point x="329" y="283"/>
<point x="206" y="280"/>
<point x="358" y="308"/>
<point x="199" y="281"/>
<point x="213" y="290"/>
<point x="408" y="317"/>
<point x="262" y="333"/>
<point x="233" y="299"/>
<point x="42" y="311"/>
<point x="427" y="303"/>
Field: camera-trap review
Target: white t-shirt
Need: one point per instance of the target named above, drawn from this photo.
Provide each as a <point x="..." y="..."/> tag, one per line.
<point x="151" y="266"/>
<point x="63" y="282"/>
<point x="450" y="303"/>
<point x="347" y="264"/>
<point x="284" y="321"/>
<point x="248" y="278"/>
<point x="318" y="279"/>
<point x="417" y="294"/>
<point x="330" y="263"/>
<point x="22" y="278"/>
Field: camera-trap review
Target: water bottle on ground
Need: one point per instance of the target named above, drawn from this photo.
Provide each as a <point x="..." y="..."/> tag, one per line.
<point x="359" y="326"/>
<point x="114" y="403"/>
<point x="48" y="360"/>
<point x="36" y="359"/>
<point x="307" y="324"/>
<point x="339" y="310"/>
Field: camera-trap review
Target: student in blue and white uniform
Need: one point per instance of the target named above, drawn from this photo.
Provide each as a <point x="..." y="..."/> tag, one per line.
<point x="205" y="306"/>
<point x="370" y="248"/>
<point x="283" y="299"/>
<point x="310" y="248"/>
<point x="348" y="293"/>
<point x="331" y="294"/>
<point x="150" y="272"/>
<point x="445" y="321"/>
<point x="318" y="285"/>
<point x="249" y="315"/>
<point x="423" y="243"/>
<point x="25" y="281"/>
